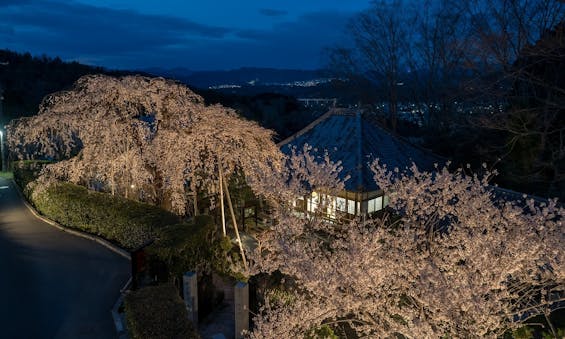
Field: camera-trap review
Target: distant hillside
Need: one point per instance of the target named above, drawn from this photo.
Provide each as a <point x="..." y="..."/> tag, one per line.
<point x="239" y="77"/>
<point x="26" y="79"/>
<point x="177" y="73"/>
<point x="253" y="82"/>
<point x="281" y="113"/>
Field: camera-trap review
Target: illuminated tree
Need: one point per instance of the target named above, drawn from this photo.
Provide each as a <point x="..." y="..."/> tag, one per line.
<point x="451" y="261"/>
<point x="146" y="138"/>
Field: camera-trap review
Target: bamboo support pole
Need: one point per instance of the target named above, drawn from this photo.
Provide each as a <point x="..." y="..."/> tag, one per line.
<point x="235" y="227"/>
<point x="222" y="200"/>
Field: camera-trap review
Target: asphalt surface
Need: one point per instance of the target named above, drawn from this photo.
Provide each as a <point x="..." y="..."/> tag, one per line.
<point x="53" y="284"/>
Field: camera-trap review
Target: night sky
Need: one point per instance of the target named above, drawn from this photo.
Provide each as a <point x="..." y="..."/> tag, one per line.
<point x="198" y="35"/>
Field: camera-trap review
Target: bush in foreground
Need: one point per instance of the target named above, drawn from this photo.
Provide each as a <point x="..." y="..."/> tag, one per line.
<point x="157" y="312"/>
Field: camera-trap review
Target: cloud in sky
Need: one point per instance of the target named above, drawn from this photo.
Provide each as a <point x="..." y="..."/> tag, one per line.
<point x="124" y="38"/>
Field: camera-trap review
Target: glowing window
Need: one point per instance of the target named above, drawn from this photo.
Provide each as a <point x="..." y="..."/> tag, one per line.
<point x="340" y="204"/>
<point x="350" y="206"/>
<point x="374" y="205"/>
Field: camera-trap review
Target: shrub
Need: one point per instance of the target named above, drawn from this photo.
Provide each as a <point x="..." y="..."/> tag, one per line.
<point x="26" y="171"/>
<point x="322" y="332"/>
<point x="126" y="222"/>
<point x="193" y="246"/>
<point x="157" y="312"/>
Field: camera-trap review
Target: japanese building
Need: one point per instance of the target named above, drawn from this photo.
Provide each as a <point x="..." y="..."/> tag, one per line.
<point x="348" y="136"/>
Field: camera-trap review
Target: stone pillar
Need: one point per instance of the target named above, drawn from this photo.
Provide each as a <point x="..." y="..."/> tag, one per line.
<point x="190" y="294"/>
<point x="241" y="296"/>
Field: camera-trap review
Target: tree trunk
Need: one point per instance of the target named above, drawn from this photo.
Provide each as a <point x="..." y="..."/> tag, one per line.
<point x="113" y="183"/>
<point x="393" y="104"/>
<point x="196" y="211"/>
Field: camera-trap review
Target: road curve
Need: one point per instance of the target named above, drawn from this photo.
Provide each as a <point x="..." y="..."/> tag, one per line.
<point x="53" y="284"/>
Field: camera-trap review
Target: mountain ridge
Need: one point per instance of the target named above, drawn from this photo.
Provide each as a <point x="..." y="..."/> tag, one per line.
<point x="238" y="77"/>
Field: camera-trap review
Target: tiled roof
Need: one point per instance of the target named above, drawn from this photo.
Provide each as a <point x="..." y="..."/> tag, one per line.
<point x="349" y="137"/>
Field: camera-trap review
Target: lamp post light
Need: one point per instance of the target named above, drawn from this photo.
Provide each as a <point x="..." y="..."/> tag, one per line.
<point x="2" y="157"/>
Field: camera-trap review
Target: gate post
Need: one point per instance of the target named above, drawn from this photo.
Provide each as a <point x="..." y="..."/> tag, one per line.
<point x="190" y="294"/>
<point x="241" y="312"/>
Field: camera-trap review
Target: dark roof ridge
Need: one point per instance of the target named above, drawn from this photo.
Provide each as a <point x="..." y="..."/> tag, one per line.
<point x="329" y="113"/>
<point x="404" y="140"/>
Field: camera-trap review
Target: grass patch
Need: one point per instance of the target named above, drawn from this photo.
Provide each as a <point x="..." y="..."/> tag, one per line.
<point x="7" y="175"/>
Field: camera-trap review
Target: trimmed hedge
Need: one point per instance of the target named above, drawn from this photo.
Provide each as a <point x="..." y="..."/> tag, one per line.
<point x="193" y="246"/>
<point x="125" y="222"/>
<point x="157" y="312"/>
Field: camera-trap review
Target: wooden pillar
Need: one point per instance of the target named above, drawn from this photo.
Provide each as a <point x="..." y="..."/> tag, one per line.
<point x="222" y="199"/>
<point x="235" y="227"/>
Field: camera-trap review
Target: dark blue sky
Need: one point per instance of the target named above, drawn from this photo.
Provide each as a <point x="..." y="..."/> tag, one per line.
<point x="199" y="35"/>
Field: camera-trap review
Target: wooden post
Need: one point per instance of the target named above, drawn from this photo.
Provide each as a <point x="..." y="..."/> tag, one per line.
<point x="235" y="227"/>
<point x="113" y="181"/>
<point x="222" y="199"/>
<point x="127" y="169"/>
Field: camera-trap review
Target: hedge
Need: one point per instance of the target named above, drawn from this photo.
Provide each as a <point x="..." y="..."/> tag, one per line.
<point x="193" y="246"/>
<point x="157" y="312"/>
<point x="125" y="222"/>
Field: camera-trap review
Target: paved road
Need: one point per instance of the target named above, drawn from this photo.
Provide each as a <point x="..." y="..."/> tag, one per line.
<point x="53" y="284"/>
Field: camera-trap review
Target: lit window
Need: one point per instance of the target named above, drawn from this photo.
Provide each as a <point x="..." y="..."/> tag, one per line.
<point x="374" y="205"/>
<point x="371" y="206"/>
<point x="350" y="206"/>
<point x="313" y="202"/>
<point x="341" y="204"/>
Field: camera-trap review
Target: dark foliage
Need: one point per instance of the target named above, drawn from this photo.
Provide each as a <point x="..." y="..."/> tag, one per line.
<point x="535" y="123"/>
<point x="192" y="246"/>
<point x="27" y="171"/>
<point x="157" y="312"/>
<point x="26" y="79"/>
<point x="281" y="113"/>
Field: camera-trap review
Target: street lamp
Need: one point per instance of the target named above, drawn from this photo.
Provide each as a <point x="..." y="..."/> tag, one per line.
<point x="2" y="157"/>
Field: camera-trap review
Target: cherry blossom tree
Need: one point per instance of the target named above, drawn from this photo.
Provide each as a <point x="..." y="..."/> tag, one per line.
<point x="451" y="260"/>
<point x="146" y="138"/>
